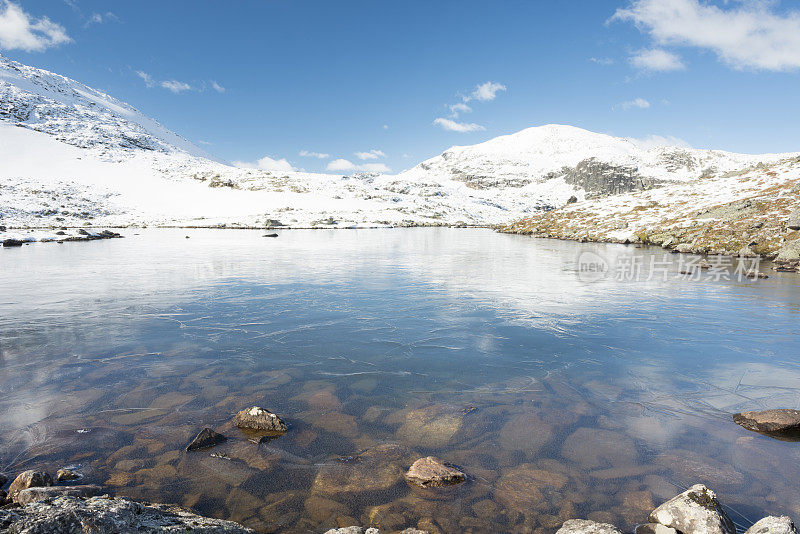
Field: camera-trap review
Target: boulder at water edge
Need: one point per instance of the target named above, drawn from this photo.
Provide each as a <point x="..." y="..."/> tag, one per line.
<point x="773" y="525"/>
<point x="695" y="511"/>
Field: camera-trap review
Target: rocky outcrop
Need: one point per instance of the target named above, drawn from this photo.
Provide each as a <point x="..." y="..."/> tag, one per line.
<point x="773" y="525"/>
<point x="584" y="526"/>
<point x="695" y="511"/>
<point x="770" y="421"/>
<point x="598" y="178"/>
<point x="50" y="492"/>
<point x="256" y="418"/>
<point x="28" y="479"/>
<point x="104" y="515"/>
<point x="431" y="472"/>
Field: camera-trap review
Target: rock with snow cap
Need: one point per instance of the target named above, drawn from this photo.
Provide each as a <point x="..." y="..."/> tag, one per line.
<point x="256" y="418"/>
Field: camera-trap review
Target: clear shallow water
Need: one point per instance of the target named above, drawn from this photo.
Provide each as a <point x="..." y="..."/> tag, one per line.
<point x="561" y="398"/>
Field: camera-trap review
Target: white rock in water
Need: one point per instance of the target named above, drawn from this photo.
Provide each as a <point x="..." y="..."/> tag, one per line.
<point x="773" y="525"/>
<point x="695" y="511"/>
<point x="584" y="526"/>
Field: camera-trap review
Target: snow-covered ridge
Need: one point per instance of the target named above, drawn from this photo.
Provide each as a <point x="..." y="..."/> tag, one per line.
<point x="79" y="115"/>
<point x="72" y="155"/>
<point x="541" y="158"/>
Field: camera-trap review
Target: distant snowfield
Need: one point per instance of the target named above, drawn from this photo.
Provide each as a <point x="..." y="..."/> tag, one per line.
<point x="72" y="156"/>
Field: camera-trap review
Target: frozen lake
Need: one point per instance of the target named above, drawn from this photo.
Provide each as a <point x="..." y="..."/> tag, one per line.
<point x="563" y="392"/>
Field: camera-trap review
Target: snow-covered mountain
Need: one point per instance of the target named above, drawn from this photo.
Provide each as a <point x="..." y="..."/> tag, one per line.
<point x="79" y="115"/>
<point x="72" y="155"/>
<point x="554" y="162"/>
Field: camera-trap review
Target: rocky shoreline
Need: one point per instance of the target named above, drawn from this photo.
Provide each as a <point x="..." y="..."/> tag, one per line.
<point x="36" y="502"/>
<point x="756" y="221"/>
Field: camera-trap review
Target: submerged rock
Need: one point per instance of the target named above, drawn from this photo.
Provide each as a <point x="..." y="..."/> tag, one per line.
<point x="206" y="439"/>
<point x="769" y="421"/>
<point x="432" y="426"/>
<point x="104" y="515"/>
<point x="63" y="475"/>
<point x="352" y="530"/>
<point x="50" y="492"/>
<point x="654" y="528"/>
<point x="256" y="418"/>
<point x="432" y="472"/>
<point x="585" y="526"/>
<point x="695" y="511"/>
<point x="594" y="448"/>
<point x="773" y="525"/>
<point x="29" y="479"/>
<point x="377" y="469"/>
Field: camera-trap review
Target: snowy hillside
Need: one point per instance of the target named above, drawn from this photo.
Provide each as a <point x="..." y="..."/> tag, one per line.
<point x="551" y="163"/>
<point x="73" y="156"/>
<point x="79" y="115"/>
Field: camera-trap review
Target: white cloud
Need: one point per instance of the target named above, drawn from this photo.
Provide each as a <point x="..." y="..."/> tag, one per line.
<point x="19" y="31"/>
<point x="266" y="164"/>
<point x="750" y="34"/>
<point x="175" y="86"/>
<point x="217" y="87"/>
<point x="636" y="103"/>
<point x="372" y="154"/>
<point x="605" y="61"/>
<point x="486" y="92"/>
<point x="455" y="126"/>
<point x="655" y="141"/>
<point x="456" y="109"/>
<point x="98" y="18"/>
<point x="318" y="155"/>
<point x="656" y="59"/>
<point x="385" y="126"/>
<point x="343" y="165"/>
<point x="374" y="167"/>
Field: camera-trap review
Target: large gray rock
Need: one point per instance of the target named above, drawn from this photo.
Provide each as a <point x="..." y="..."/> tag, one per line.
<point x="794" y="220"/>
<point x="49" y="492"/>
<point x="432" y="472"/>
<point x="789" y="252"/>
<point x="103" y="515"/>
<point x="654" y="528"/>
<point x="256" y="418"/>
<point x="29" y="479"/>
<point x="773" y="421"/>
<point x="773" y="525"/>
<point x="695" y="511"/>
<point x="584" y="526"/>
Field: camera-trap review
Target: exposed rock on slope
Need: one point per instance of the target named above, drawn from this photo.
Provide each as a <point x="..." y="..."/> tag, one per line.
<point x="746" y="212"/>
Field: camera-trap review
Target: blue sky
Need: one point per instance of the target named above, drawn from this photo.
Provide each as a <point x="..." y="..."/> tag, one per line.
<point x="365" y="81"/>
